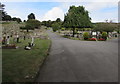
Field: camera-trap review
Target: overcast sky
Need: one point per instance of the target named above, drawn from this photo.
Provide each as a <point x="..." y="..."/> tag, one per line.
<point x="50" y="10"/>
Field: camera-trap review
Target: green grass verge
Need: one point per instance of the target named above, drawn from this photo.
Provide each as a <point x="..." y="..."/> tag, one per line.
<point x="19" y="63"/>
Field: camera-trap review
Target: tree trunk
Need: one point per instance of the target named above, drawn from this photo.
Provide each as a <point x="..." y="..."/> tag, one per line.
<point x="17" y="38"/>
<point x="108" y="34"/>
<point x="27" y="30"/>
<point x="24" y="37"/>
<point x="73" y="31"/>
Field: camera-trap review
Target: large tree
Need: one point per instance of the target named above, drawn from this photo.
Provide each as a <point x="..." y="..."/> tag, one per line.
<point x="32" y="24"/>
<point x="58" y="20"/>
<point x="77" y="17"/>
<point x="2" y="13"/>
<point x="7" y="18"/>
<point x="16" y="19"/>
<point x="31" y="16"/>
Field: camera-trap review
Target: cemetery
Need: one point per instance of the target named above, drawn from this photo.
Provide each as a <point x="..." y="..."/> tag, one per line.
<point x="89" y="35"/>
<point x="26" y="45"/>
<point x="23" y="51"/>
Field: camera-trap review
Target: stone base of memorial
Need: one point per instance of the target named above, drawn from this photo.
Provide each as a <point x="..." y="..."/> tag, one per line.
<point x="10" y="46"/>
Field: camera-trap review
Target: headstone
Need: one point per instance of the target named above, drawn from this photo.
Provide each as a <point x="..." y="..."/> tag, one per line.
<point x="17" y="38"/>
<point x="4" y="39"/>
<point x="24" y="37"/>
<point x="8" y="40"/>
<point x="32" y="40"/>
<point x="94" y="33"/>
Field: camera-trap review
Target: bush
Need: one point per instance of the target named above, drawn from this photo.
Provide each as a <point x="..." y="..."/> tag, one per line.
<point x="86" y="35"/>
<point x="62" y="29"/>
<point x="104" y="35"/>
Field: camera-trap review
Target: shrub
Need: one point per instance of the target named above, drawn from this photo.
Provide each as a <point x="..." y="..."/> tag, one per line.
<point x="86" y="36"/>
<point x="62" y="29"/>
<point x="104" y="35"/>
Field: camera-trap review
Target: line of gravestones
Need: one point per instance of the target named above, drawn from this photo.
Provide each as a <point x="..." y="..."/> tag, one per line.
<point x="93" y="34"/>
<point x="6" y="39"/>
<point x="16" y="37"/>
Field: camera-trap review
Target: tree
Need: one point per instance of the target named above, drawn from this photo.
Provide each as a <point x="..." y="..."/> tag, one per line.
<point x="7" y="18"/>
<point x="24" y="21"/>
<point x="19" y="20"/>
<point x="31" y="16"/>
<point x="49" y="23"/>
<point x="58" y="20"/>
<point x="32" y="24"/>
<point x="77" y="17"/>
<point x="16" y="19"/>
<point x="56" y="26"/>
<point x="2" y="13"/>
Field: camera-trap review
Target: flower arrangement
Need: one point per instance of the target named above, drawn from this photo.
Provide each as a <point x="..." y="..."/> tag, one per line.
<point x="92" y="39"/>
<point x="101" y="39"/>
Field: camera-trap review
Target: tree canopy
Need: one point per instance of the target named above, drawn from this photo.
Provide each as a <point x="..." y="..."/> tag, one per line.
<point x="16" y="19"/>
<point x="58" y="20"/>
<point x="56" y="25"/>
<point x="31" y="16"/>
<point x="6" y="18"/>
<point x="31" y="24"/>
<point x="106" y="27"/>
<point x="77" y="17"/>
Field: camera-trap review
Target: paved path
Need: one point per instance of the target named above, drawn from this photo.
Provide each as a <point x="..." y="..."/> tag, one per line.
<point x="80" y="61"/>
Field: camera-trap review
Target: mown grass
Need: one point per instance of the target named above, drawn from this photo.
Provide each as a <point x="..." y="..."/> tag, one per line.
<point x="19" y="63"/>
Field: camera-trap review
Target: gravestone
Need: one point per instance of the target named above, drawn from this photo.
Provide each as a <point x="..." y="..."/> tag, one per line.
<point x="8" y="40"/>
<point x="4" y="39"/>
<point x="17" y="38"/>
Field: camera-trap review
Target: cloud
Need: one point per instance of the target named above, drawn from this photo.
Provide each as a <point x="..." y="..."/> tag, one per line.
<point x="96" y="9"/>
<point x="53" y="14"/>
<point x="16" y="13"/>
<point x="101" y="17"/>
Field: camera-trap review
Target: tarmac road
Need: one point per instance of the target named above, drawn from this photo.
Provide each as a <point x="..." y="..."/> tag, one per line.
<point x="80" y="61"/>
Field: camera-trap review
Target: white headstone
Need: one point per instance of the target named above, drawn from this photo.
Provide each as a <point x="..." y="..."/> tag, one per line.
<point x="8" y="40"/>
<point x="94" y="33"/>
<point x="32" y="40"/>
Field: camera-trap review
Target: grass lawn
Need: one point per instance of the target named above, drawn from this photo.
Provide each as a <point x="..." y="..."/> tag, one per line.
<point x="19" y="63"/>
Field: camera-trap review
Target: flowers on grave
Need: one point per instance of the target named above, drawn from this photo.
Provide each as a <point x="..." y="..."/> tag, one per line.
<point x="101" y="39"/>
<point x="92" y="39"/>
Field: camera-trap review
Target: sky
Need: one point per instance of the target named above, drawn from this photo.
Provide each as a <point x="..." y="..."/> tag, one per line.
<point x="51" y="10"/>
